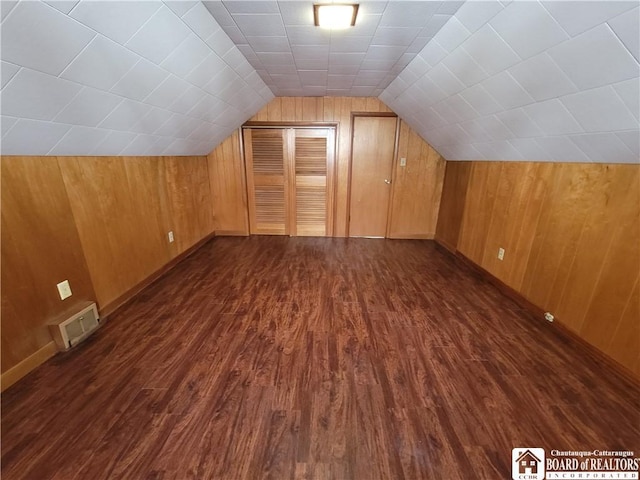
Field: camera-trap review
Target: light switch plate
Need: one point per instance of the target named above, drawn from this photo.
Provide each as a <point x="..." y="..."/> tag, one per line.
<point x="403" y="162"/>
<point x="170" y="235"/>
<point x="64" y="289"/>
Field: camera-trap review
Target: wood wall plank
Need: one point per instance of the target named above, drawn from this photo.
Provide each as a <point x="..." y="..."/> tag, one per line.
<point x="571" y="233"/>
<point x="190" y="200"/>
<point x="40" y="248"/>
<point x="228" y="185"/>
<point x="417" y="187"/>
<point x="452" y="201"/>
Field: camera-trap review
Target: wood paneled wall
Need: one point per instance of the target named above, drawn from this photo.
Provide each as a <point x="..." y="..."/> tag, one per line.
<point x="100" y="222"/>
<point x="417" y="187"/>
<point x="571" y="234"/>
<point x="454" y="192"/>
<point x="40" y="248"/>
<point x="228" y="188"/>
<point x="416" y="199"/>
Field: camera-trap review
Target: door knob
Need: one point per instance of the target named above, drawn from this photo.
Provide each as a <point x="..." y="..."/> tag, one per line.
<point x="388" y="182"/>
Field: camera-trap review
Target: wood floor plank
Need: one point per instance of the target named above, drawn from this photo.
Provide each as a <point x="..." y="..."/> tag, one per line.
<point x="314" y="358"/>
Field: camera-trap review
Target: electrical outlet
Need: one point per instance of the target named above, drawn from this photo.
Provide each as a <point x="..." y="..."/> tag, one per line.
<point x="64" y="289"/>
<point x="501" y="253"/>
<point x="403" y="162"/>
<point x="170" y="235"/>
<point x="548" y="317"/>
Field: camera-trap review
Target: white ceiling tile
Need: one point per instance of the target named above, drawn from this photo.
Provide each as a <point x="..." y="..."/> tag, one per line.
<point x="358" y="91"/>
<point x="159" y="36"/>
<point x="418" y="44"/>
<point x="307" y="35"/>
<point x="352" y="45"/>
<point x="344" y="69"/>
<point x="139" y="145"/>
<point x="474" y="15"/>
<point x="463" y="110"/>
<point x="200" y="21"/>
<point x="180" y="7"/>
<point x="101" y="64"/>
<point x="378" y="64"/>
<point x="452" y="34"/>
<point x="600" y="110"/>
<point x="433" y="53"/>
<point x="519" y="123"/>
<point x="32" y="137"/>
<point x="263" y="25"/>
<point x="152" y="121"/>
<point x="339" y="81"/>
<point x="88" y="108"/>
<point x="366" y="25"/>
<point x="447" y="81"/>
<point x="392" y="36"/>
<point x="464" y="67"/>
<point x="346" y="58"/>
<point x="595" y="58"/>
<point x="65" y="6"/>
<point x="631" y="139"/>
<point x="140" y="81"/>
<point x="507" y="91"/>
<point x="434" y="25"/>
<point x="185" y="102"/>
<point x="269" y="44"/>
<point x="113" y="143"/>
<point x="528" y="28"/>
<point x="313" y="77"/>
<point x="629" y="92"/>
<point x="529" y="149"/>
<point x="220" y="43"/>
<point x="447" y="114"/>
<point x="553" y="118"/>
<point x="219" y="12"/>
<point x="449" y="7"/>
<point x="209" y="109"/>
<point x="275" y="59"/>
<point x="40" y="37"/>
<point x="310" y="51"/>
<point x="578" y="16"/>
<point x="8" y="72"/>
<point x="187" y="56"/>
<point x="490" y="51"/>
<point x="627" y="27"/>
<point x="296" y="13"/>
<point x="167" y="92"/>
<point x="203" y="73"/>
<point x="542" y="78"/>
<point x="496" y="130"/>
<point x="125" y="115"/>
<point x="7" y="123"/>
<point x="235" y="34"/>
<point x="605" y="148"/>
<point x="79" y="141"/>
<point x="480" y="100"/>
<point x="251" y="6"/>
<point x="37" y="95"/>
<point x="292" y="69"/>
<point x="407" y="13"/>
<point x="561" y="149"/>
<point x="118" y="20"/>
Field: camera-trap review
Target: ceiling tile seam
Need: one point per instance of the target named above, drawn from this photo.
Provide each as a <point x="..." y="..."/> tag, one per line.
<point x="619" y="40"/>
<point x="615" y="91"/>
<point x="12" y="126"/>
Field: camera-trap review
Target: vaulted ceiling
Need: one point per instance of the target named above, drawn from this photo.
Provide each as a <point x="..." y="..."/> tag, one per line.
<point x="479" y="80"/>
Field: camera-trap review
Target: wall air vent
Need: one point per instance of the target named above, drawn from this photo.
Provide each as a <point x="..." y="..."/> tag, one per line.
<point x="70" y="330"/>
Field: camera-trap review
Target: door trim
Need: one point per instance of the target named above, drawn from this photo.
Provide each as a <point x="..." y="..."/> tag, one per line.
<point x="393" y="164"/>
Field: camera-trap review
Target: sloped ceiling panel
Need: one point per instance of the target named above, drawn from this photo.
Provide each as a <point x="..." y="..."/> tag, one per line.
<point x="549" y="81"/>
<point x="295" y="58"/>
<point x="120" y="78"/>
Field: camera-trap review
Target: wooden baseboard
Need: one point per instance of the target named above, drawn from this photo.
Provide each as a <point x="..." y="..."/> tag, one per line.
<point x="231" y="233"/>
<point x="34" y="360"/>
<point x="417" y="236"/>
<point x="126" y="297"/>
<point x="538" y="313"/>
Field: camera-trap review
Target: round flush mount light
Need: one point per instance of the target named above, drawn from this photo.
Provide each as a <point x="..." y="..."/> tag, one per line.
<point x="335" y="16"/>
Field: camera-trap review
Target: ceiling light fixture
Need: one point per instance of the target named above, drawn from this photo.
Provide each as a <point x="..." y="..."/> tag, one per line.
<point x="335" y="16"/>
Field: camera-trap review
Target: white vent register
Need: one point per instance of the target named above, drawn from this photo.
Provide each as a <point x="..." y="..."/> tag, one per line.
<point x="70" y="330"/>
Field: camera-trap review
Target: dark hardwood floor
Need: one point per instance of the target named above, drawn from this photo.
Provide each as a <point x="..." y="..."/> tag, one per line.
<point x="274" y="357"/>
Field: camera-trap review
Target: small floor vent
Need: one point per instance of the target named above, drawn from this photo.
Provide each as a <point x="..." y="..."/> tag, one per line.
<point x="70" y="330"/>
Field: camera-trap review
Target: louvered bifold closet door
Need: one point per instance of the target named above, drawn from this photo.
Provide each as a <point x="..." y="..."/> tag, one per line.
<point x="312" y="204"/>
<point x="267" y="180"/>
